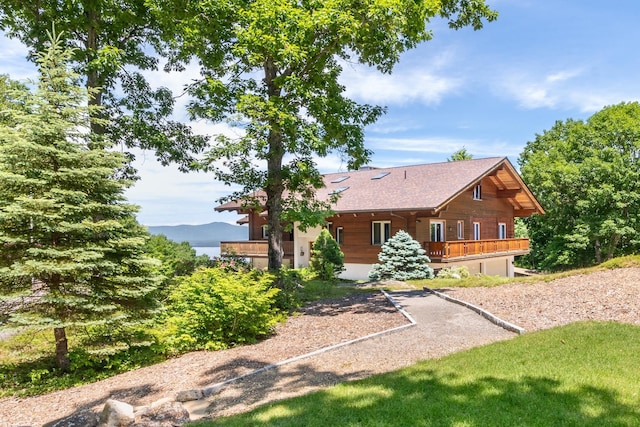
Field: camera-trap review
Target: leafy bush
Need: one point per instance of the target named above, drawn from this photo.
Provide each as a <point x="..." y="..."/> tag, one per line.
<point x="215" y="309"/>
<point x="231" y="261"/>
<point x="454" y="273"/>
<point x="327" y="260"/>
<point x="401" y="258"/>
<point x="178" y="259"/>
<point x="289" y="284"/>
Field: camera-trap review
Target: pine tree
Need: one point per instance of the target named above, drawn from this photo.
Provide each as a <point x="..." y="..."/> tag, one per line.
<point x="327" y="260"/>
<point x="71" y="247"/>
<point x="401" y="258"/>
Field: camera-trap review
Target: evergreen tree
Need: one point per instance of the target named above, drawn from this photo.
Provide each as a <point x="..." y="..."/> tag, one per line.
<point x="401" y="258"/>
<point x="327" y="260"/>
<point x="71" y="246"/>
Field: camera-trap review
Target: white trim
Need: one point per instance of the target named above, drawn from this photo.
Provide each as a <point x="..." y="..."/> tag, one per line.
<point x="477" y="231"/>
<point x="433" y="231"/>
<point x="384" y="232"/>
<point x="460" y="230"/>
<point x="477" y="192"/>
<point x="502" y="230"/>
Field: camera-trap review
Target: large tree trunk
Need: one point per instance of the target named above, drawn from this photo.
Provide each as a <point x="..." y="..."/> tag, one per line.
<point x="275" y="185"/>
<point x="62" y="350"/>
<point x="615" y="240"/>
<point x="274" y="190"/>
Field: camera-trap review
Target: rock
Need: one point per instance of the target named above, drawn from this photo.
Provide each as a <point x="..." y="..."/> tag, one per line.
<point x="82" y="418"/>
<point x="187" y="395"/>
<point x="162" y="402"/>
<point x="116" y="414"/>
<point x="167" y="414"/>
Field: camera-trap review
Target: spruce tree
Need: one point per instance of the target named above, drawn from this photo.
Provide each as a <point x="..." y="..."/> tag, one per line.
<point x="401" y="258"/>
<point x="327" y="260"/>
<point x="72" y="252"/>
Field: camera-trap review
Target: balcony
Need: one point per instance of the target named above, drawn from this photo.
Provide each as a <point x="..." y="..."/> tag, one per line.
<point x="253" y="248"/>
<point x="461" y="249"/>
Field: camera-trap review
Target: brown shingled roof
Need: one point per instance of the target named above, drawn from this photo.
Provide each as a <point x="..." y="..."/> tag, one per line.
<point x="427" y="186"/>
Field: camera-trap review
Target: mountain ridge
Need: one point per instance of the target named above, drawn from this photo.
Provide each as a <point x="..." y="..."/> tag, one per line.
<point x="202" y="235"/>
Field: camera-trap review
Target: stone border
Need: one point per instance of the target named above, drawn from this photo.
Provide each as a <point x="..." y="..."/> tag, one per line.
<point x="198" y="394"/>
<point x="484" y="313"/>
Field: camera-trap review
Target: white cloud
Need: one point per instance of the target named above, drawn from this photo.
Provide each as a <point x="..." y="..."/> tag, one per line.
<point x="566" y="89"/>
<point x="426" y="82"/>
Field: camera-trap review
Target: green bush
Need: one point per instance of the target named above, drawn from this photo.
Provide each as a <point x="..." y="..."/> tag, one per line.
<point x="289" y="284"/>
<point x="215" y="309"/>
<point x="327" y="260"/>
<point x="401" y="258"/>
<point x="453" y="273"/>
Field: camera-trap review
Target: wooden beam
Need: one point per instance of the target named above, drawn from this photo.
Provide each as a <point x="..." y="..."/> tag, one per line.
<point x="523" y="213"/>
<point x="508" y="194"/>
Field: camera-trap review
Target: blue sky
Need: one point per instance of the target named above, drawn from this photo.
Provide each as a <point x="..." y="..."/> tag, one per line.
<point x="490" y="91"/>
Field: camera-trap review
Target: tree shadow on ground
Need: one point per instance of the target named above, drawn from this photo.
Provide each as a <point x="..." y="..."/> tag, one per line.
<point x="426" y="398"/>
<point x="275" y="384"/>
<point x="355" y="303"/>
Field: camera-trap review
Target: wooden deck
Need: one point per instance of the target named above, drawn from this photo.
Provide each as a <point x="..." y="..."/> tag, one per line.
<point x="253" y="248"/>
<point x="460" y="249"/>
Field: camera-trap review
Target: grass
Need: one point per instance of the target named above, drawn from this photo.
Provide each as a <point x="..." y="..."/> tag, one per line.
<point x="583" y="374"/>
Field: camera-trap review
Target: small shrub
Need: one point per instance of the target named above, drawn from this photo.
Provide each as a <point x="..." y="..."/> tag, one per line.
<point x="327" y="260"/>
<point x="401" y="258"/>
<point x="232" y="261"/>
<point x="215" y="309"/>
<point x="453" y="273"/>
<point x="289" y="284"/>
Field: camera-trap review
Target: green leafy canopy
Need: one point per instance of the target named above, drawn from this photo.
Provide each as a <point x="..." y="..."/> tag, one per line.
<point x="587" y="176"/>
<point x="272" y="68"/>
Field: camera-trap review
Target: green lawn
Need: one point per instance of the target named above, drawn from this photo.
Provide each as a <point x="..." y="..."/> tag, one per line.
<point x="583" y="374"/>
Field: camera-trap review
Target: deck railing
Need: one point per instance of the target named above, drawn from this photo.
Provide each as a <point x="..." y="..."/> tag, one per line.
<point x="466" y="248"/>
<point x="253" y="248"/>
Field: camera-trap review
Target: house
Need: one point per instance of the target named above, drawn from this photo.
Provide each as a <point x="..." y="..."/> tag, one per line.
<point x="462" y="213"/>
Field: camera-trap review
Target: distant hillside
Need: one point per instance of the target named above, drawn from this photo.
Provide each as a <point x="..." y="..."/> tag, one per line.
<point x="204" y="234"/>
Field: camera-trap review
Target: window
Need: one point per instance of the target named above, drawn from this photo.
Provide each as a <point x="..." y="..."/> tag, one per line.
<point x="380" y="232"/>
<point x="477" y="192"/>
<point x="340" y="179"/>
<point x="381" y="175"/>
<point x="265" y="231"/>
<point x="329" y="227"/>
<point x="461" y="230"/>
<point x="339" y="190"/>
<point x="437" y="231"/>
<point x="476" y="231"/>
<point x="502" y="230"/>
<point x="340" y="235"/>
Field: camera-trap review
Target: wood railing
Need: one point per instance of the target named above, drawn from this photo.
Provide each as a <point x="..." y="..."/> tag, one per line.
<point x="466" y="248"/>
<point x="253" y="248"/>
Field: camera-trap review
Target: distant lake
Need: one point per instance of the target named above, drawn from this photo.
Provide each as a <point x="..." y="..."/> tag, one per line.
<point x="212" y="251"/>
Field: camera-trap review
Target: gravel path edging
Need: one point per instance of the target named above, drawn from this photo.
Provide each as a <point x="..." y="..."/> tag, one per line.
<point x="484" y="313"/>
<point x="210" y="390"/>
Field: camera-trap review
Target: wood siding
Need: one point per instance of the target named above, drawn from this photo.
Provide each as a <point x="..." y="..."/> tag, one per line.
<point x="489" y="212"/>
<point x="256" y="221"/>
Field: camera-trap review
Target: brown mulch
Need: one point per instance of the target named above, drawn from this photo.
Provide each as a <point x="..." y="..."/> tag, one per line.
<point x="318" y="325"/>
<point x="609" y="295"/>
